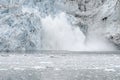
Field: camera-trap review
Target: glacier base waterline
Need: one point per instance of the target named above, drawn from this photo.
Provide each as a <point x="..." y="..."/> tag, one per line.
<point x="60" y="66"/>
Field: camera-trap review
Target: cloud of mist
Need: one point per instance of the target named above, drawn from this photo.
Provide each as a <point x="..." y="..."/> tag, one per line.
<point x="59" y="34"/>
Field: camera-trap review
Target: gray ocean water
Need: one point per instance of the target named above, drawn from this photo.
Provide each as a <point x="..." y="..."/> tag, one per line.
<point x="60" y="65"/>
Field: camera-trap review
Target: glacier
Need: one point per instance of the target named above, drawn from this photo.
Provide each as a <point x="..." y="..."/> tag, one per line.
<point x="74" y="25"/>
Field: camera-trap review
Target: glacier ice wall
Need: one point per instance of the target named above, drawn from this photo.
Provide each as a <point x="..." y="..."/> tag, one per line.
<point x="59" y="25"/>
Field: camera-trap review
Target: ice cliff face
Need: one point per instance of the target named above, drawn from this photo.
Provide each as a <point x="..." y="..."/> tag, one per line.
<point x="59" y="24"/>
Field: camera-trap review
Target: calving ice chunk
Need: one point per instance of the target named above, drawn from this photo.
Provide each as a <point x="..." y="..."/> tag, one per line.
<point x="59" y="34"/>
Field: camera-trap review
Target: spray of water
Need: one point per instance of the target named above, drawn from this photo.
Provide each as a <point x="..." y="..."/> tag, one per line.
<point x="59" y="34"/>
